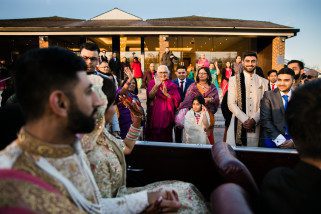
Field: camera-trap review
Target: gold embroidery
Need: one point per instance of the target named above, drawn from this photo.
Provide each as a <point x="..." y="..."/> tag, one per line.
<point x="27" y="164"/>
<point x="239" y="104"/>
<point x="22" y="194"/>
<point x="34" y="146"/>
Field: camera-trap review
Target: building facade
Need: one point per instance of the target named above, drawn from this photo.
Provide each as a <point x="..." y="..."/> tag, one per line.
<point x="118" y="31"/>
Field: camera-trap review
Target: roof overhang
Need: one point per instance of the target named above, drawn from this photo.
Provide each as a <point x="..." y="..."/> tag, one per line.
<point x="169" y="30"/>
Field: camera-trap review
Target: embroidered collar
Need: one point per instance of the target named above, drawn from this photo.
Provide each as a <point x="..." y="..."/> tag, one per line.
<point x="34" y="146"/>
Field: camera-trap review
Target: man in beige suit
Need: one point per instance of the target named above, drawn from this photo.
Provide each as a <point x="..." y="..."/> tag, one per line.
<point x="244" y="95"/>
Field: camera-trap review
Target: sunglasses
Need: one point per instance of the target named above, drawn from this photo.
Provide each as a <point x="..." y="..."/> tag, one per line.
<point x="307" y="76"/>
<point x="91" y="58"/>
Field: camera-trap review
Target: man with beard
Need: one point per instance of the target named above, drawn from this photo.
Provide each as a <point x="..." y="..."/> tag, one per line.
<point x="46" y="161"/>
<point x="244" y="94"/>
<point x="298" y="67"/>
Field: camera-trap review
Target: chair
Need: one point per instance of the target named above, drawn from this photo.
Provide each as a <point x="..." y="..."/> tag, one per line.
<point x="239" y="192"/>
<point x="231" y="169"/>
<point x="230" y="198"/>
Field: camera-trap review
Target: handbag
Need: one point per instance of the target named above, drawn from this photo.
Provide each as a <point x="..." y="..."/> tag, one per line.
<point x="180" y="117"/>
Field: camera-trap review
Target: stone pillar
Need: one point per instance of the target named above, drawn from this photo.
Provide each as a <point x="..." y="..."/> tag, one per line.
<point x="142" y="50"/>
<point x="43" y="42"/>
<point x="163" y="43"/>
<point x="278" y="52"/>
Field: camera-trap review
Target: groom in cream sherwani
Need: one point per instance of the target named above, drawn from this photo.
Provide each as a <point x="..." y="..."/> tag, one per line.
<point x="245" y="92"/>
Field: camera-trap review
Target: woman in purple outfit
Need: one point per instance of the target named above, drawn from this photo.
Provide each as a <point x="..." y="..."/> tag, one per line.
<point x="128" y="88"/>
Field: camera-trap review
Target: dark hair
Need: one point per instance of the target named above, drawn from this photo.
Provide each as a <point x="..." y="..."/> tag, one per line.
<point x="272" y="71"/>
<point x="40" y="71"/>
<point x="303" y="118"/>
<point x="249" y="53"/>
<point x="90" y="46"/>
<point x="209" y="76"/>
<point x="181" y="67"/>
<point x="200" y="99"/>
<point x="136" y="58"/>
<point x="259" y="71"/>
<point x="286" y="71"/>
<point x="109" y="90"/>
<point x="125" y="80"/>
<point x="300" y="63"/>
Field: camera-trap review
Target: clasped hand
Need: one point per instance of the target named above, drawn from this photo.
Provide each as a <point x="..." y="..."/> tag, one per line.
<point x="163" y="202"/>
<point x="249" y="125"/>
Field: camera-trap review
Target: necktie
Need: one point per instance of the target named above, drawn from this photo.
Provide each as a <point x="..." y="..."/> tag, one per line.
<point x="181" y="84"/>
<point x="286" y="101"/>
<point x="272" y="86"/>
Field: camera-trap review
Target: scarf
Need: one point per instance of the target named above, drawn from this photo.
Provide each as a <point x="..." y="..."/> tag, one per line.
<point x="240" y="132"/>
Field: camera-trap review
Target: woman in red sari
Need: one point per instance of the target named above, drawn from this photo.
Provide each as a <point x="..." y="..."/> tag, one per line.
<point x="163" y="100"/>
<point x="227" y="72"/>
<point x="203" y="86"/>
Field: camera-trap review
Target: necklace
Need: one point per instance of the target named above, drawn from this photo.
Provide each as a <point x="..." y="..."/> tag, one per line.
<point x="204" y="87"/>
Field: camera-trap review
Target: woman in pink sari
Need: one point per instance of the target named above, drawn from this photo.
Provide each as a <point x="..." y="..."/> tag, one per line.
<point x="164" y="99"/>
<point x="227" y="72"/>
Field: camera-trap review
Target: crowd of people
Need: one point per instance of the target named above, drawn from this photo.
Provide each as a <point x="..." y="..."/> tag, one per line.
<point x="71" y="148"/>
<point x="240" y="87"/>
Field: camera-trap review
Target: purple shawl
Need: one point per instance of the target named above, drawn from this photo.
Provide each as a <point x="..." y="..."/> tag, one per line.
<point x="193" y="91"/>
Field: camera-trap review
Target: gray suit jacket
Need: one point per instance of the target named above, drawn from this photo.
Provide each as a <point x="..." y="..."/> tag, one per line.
<point x="272" y="114"/>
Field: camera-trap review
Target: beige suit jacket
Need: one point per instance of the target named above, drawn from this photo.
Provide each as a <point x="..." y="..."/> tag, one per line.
<point x="255" y="88"/>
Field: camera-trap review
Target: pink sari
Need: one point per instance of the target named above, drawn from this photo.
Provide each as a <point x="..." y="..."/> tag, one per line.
<point x="161" y="112"/>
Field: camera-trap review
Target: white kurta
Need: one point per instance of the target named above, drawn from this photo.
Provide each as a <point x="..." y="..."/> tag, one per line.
<point x="193" y="132"/>
<point x="255" y="88"/>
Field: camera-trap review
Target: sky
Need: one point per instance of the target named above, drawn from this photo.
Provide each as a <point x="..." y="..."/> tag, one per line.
<point x="302" y="14"/>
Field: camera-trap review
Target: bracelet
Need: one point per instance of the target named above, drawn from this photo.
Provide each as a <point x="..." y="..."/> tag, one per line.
<point x="133" y="133"/>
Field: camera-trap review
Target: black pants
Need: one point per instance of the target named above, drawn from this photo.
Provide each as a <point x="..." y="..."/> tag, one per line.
<point x="178" y="134"/>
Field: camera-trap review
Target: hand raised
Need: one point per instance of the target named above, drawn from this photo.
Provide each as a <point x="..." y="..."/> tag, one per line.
<point x="129" y="73"/>
<point x="157" y="81"/>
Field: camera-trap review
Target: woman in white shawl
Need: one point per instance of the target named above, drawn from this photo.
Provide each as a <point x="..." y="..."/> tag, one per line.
<point x="196" y="123"/>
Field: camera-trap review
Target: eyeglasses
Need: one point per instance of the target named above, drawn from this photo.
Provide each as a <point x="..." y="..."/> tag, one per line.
<point x="181" y="72"/>
<point x="202" y="73"/>
<point x="307" y="76"/>
<point x="91" y="58"/>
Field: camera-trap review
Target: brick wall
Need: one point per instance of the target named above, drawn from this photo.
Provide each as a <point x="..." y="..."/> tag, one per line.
<point x="278" y="52"/>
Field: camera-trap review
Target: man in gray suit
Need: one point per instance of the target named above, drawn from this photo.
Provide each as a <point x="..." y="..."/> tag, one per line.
<point x="273" y="107"/>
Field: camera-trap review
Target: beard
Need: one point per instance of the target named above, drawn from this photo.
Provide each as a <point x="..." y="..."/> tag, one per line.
<point x="78" y="122"/>
<point x="249" y="69"/>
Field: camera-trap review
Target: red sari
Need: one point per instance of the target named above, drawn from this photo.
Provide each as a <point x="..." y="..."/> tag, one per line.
<point x="224" y="84"/>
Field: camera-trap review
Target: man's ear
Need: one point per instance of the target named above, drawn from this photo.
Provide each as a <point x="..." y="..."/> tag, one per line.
<point x="59" y="103"/>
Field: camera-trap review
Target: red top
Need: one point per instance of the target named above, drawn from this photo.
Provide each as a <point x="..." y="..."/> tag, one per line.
<point x="137" y="69"/>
